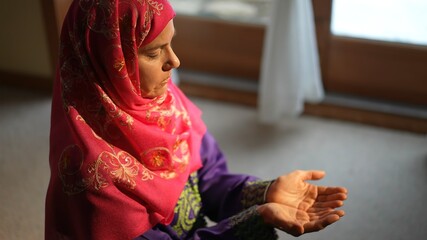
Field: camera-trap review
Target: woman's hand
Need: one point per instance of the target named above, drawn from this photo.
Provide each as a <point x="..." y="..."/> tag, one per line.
<point x="295" y="221"/>
<point x="293" y="191"/>
<point x="298" y="207"/>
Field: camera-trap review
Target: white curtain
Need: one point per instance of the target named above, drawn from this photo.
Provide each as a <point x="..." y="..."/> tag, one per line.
<point x="290" y="71"/>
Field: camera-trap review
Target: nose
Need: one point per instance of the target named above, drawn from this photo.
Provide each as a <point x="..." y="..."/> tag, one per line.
<point x="172" y="61"/>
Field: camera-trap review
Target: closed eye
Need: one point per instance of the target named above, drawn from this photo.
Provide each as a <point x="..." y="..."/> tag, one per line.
<point x="153" y="53"/>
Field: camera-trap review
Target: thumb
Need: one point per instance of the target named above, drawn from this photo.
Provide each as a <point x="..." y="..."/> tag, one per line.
<point x="313" y="175"/>
<point x="296" y="230"/>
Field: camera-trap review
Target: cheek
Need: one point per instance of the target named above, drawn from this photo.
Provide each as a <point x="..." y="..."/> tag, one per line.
<point x="147" y="75"/>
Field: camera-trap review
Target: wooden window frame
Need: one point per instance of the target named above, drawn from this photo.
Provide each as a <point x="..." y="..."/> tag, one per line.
<point x="372" y="69"/>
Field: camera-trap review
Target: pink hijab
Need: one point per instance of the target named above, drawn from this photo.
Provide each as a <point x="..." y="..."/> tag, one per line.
<point x="118" y="162"/>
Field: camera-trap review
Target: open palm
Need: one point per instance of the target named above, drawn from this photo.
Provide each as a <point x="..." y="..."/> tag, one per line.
<point x="296" y="206"/>
<point x="292" y="190"/>
<point x="297" y="222"/>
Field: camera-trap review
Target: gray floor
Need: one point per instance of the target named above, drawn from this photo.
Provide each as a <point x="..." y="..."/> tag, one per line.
<point x="384" y="170"/>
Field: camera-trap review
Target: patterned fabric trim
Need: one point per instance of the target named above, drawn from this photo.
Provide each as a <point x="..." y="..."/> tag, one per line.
<point x="188" y="208"/>
<point x="250" y="226"/>
<point x="254" y="193"/>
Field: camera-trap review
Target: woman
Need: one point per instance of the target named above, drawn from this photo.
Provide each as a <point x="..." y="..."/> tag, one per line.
<point x="130" y="156"/>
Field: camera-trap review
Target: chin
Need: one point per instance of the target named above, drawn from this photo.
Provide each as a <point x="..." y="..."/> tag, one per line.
<point x="155" y="94"/>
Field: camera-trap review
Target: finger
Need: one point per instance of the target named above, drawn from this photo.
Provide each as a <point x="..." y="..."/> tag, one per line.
<point x="325" y="214"/>
<point x="315" y="210"/>
<point x="313" y="175"/>
<point x="319" y="211"/>
<point x="332" y="197"/>
<point x="329" y="204"/>
<point x="323" y="190"/>
<point x="320" y="224"/>
<point x="293" y="228"/>
<point x="319" y="215"/>
<point x="340" y="213"/>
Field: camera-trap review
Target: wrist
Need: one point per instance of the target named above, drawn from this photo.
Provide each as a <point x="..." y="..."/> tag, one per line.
<point x="251" y="225"/>
<point x="254" y="193"/>
<point x="266" y="191"/>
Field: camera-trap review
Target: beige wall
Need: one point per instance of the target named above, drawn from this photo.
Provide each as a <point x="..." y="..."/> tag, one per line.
<point x="23" y="42"/>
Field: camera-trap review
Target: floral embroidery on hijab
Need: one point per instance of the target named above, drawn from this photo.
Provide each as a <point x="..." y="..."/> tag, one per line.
<point x="109" y="146"/>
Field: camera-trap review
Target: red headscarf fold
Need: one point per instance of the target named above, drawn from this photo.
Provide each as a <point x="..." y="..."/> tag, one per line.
<point x="118" y="161"/>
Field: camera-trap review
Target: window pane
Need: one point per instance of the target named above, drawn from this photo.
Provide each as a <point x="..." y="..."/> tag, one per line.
<point x="402" y="21"/>
<point x="249" y="11"/>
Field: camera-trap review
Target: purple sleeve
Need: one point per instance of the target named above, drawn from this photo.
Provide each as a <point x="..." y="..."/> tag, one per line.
<point x="224" y="194"/>
<point x="246" y="225"/>
<point x="228" y="199"/>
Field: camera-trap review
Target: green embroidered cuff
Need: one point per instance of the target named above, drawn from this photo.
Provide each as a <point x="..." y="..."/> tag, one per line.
<point x="249" y="225"/>
<point x="254" y="193"/>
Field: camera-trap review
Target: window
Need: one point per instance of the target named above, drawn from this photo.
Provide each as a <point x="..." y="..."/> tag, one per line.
<point x="369" y="63"/>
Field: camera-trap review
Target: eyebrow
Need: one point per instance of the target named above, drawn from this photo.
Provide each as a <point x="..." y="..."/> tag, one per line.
<point x="161" y="45"/>
<point x="155" y="47"/>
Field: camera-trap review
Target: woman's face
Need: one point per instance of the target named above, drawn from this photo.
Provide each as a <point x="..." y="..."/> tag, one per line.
<point x="156" y="60"/>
